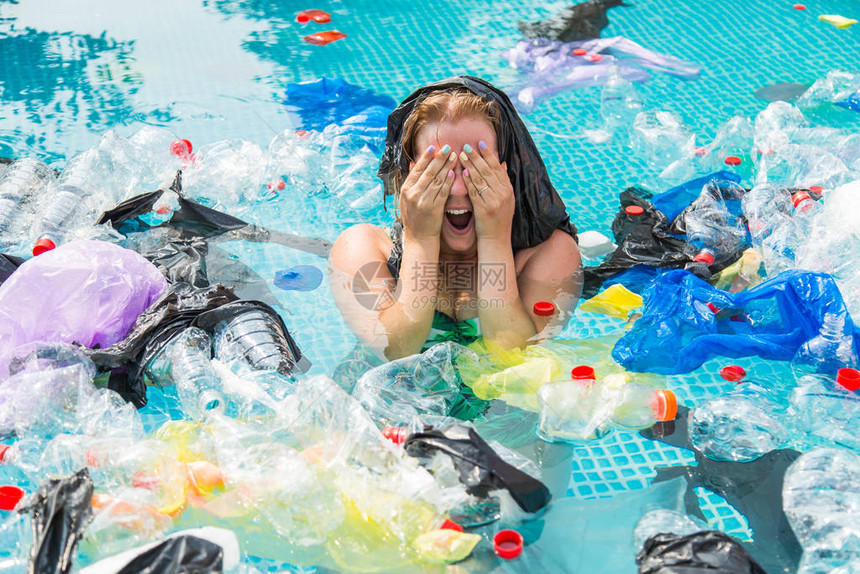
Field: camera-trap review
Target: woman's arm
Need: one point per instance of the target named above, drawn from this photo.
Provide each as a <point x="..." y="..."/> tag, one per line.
<point x="392" y="318"/>
<point x="506" y="293"/>
<point x="395" y="317"/>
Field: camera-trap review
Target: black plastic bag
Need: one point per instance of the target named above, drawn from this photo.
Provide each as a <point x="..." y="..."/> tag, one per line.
<point x="8" y="265"/>
<point x="62" y="511"/>
<point x="710" y="551"/>
<point x="642" y="240"/>
<point x="753" y="488"/>
<point x="172" y="313"/>
<point x="178" y="555"/>
<point x="582" y="21"/>
<point x="481" y="469"/>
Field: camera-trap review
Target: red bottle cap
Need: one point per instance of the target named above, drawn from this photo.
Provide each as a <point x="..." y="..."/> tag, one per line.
<point x="595" y="57"/>
<point x="3" y="449"/>
<point x="666" y="405"/>
<point x="848" y="378"/>
<point x="733" y="373"/>
<point x="10" y="496"/>
<point x="579" y="51"/>
<point x="451" y="525"/>
<point x="397" y="435"/>
<point x="799" y="197"/>
<point x="544" y="309"/>
<point x="582" y="373"/>
<point x="714" y="309"/>
<point x="302" y="18"/>
<point x="706" y="256"/>
<point x="634" y="210"/>
<point x="816" y="188"/>
<point x="508" y="544"/>
<point x="732" y="160"/>
<point x="181" y="148"/>
<point x="799" y="7"/>
<point x="43" y="244"/>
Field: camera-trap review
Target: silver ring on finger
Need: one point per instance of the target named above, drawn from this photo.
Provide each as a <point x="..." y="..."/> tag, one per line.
<point x="482" y="190"/>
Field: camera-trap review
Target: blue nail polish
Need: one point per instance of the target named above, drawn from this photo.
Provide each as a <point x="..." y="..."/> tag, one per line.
<point x="482" y="145"/>
<point x="446" y="149"/>
<point x="430" y="150"/>
<point x="467" y="148"/>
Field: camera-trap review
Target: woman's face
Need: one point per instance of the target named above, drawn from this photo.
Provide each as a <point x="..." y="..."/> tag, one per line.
<point x="458" y="225"/>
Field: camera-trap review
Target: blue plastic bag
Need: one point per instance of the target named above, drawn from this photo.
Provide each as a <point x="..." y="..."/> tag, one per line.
<point x="679" y="331"/>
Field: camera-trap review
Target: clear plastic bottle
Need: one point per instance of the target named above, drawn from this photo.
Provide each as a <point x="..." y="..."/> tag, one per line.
<point x="575" y="409"/>
<point x="163" y="209"/>
<point x="831" y="349"/>
<point x="67" y="203"/>
<point x="641" y="407"/>
<point x="827" y="412"/>
<point x="619" y="101"/>
<point x="741" y="425"/>
<point x="254" y="340"/>
<point x="821" y="498"/>
<point x="197" y="383"/>
<point x="19" y="184"/>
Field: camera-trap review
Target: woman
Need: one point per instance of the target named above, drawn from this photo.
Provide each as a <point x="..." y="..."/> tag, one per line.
<point x="481" y="234"/>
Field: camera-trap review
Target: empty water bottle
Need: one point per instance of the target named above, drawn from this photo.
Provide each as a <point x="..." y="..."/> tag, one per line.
<point x="827" y="411"/>
<point x="19" y="184"/>
<point x="197" y="383"/>
<point x="742" y="425"/>
<point x="254" y="339"/>
<point x="66" y="203"/>
<point x="619" y="101"/>
<point x="831" y="349"/>
<point x="575" y="409"/>
<point x="821" y="498"/>
<point x="641" y="406"/>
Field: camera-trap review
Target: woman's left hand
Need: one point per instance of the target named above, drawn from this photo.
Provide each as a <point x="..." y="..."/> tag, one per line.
<point x="490" y="191"/>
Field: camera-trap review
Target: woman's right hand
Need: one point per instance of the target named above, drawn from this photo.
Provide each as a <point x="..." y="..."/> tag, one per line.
<point x="424" y="193"/>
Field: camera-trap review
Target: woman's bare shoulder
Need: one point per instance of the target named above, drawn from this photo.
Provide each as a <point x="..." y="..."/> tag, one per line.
<point x="360" y="244"/>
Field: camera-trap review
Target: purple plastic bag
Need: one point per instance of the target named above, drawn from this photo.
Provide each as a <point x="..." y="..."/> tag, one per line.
<point x="86" y="292"/>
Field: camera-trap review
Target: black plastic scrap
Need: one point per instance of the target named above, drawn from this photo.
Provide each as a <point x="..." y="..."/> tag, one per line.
<point x="481" y="469"/>
<point x="172" y="313"/>
<point x="8" y="265"/>
<point x="62" y="511"/>
<point x="752" y="488"/>
<point x="701" y="552"/>
<point x="178" y="555"/>
<point x="641" y="240"/>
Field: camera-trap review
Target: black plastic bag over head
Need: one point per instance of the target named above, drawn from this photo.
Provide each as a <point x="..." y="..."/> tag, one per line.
<point x="481" y="469"/>
<point x="539" y="210"/>
<point x="61" y="511"/>
<point x="707" y="552"/>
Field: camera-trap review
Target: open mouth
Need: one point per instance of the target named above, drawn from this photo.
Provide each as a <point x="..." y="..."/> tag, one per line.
<point x="458" y="218"/>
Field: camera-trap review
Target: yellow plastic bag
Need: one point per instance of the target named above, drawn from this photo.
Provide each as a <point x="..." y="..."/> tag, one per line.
<point x="616" y="301"/>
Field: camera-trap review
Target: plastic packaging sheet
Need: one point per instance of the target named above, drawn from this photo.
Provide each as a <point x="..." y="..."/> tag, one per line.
<point x="591" y="535"/>
<point x="84" y="292"/>
<point x="678" y="331"/>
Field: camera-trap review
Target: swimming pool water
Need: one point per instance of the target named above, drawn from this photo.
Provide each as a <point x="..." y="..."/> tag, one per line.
<point x="217" y="70"/>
